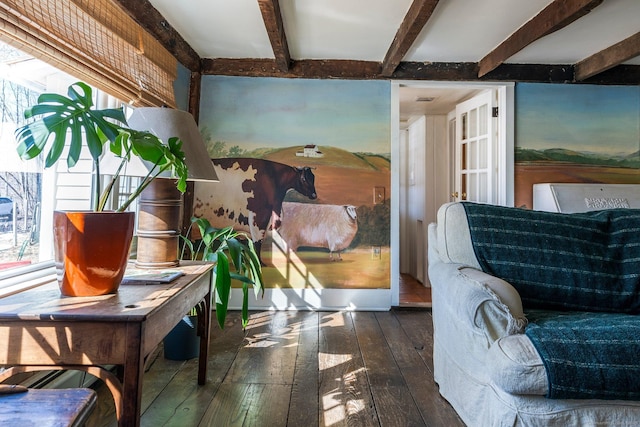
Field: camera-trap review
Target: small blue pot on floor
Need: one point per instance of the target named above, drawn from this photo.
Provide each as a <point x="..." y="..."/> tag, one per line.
<point x="183" y="342"/>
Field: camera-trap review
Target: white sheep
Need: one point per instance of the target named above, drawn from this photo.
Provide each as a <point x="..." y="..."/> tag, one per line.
<point x="321" y="226"/>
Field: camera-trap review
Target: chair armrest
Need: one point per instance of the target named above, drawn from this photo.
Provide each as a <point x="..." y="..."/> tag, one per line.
<point x="502" y="289"/>
<point x="499" y="311"/>
<point x="464" y="295"/>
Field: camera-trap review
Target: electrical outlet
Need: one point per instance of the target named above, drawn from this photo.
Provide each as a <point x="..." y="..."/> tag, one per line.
<point x="376" y="252"/>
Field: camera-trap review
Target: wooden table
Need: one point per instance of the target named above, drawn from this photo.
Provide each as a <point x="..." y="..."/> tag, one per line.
<point x="41" y="330"/>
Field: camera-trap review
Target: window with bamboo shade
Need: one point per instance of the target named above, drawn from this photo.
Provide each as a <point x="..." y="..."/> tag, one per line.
<point x="96" y="41"/>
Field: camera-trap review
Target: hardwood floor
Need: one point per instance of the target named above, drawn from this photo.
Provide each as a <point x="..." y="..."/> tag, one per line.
<point x="413" y="293"/>
<point x="300" y="369"/>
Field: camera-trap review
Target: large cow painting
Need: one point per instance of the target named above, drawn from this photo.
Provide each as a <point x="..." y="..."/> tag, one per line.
<point x="252" y="194"/>
<point x="300" y="166"/>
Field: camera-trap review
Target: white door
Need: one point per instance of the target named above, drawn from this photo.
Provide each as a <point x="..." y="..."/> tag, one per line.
<point x="476" y="140"/>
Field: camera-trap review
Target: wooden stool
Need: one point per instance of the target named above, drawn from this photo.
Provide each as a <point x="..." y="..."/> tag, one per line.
<point x="45" y="407"/>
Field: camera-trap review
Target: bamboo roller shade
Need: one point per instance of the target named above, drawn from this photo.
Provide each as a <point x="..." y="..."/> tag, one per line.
<point x="95" y="41"/>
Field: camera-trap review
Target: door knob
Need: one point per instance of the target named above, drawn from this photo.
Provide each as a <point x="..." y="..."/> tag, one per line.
<point x="454" y="194"/>
<point x="464" y="196"/>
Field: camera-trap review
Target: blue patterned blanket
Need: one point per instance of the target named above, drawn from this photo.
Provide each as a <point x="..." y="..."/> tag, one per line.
<point x="587" y="266"/>
<point x="588" y="355"/>
<point x="581" y="262"/>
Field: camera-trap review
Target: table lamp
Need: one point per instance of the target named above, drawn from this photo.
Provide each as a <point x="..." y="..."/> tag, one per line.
<point x="160" y="206"/>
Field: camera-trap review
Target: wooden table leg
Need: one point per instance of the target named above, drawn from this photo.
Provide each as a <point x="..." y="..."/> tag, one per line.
<point x="133" y="371"/>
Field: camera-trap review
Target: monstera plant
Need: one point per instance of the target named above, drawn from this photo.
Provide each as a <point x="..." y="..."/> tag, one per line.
<point x="71" y="123"/>
<point x="72" y="120"/>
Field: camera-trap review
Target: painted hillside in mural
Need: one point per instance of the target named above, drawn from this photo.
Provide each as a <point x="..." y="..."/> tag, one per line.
<point x="312" y="192"/>
<point x="575" y="133"/>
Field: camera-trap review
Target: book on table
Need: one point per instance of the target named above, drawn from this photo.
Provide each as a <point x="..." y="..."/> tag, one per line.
<point x="135" y="276"/>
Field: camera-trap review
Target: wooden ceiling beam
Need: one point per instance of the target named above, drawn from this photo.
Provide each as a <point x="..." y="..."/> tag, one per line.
<point x="608" y="58"/>
<point x="152" y="21"/>
<point x="416" y="18"/>
<point x="272" y="18"/>
<point x="437" y="71"/>
<point x="555" y="16"/>
<point x="312" y="69"/>
<point x="468" y="71"/>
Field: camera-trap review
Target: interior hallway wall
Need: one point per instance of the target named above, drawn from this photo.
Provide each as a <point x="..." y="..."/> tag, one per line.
<point x="424" y="187"/>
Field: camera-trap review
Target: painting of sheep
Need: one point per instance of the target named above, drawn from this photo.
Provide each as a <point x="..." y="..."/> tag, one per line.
<point x="321" y="226"/>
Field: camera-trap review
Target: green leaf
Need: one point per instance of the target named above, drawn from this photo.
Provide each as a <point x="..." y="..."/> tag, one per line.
<point x="256" y="269"/>
<point x="235" y="252"/>
<point x="94" y="143"/>
<point x="147" y="146"/>
<point x="223" y="290"/>
<point x="110" y="130"/>
<point x="116" y="114"/>
<point x="32" y="139"/>
<point x="245" y="305"/>
<point x="117" y="146"/>
<point x="85" y="98"/>
<point x="40" y="109"/>
<point x="187" y="244"/>
<point x="201" y="223"/>
<point x="75" y="145"/>
<point x="210" y="256"/>
<point x="71" y="120"/>
<point x="241" y="278"/>
<point x="53" y="98"/>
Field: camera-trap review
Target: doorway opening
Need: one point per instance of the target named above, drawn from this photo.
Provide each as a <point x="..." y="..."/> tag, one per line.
<point x="432" y="166"/>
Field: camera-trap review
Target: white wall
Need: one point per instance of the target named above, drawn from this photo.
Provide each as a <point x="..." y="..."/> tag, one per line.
<point x="424" y="187"/>
<point x="405" y="247"/>
<point x="416" y="165"/>
<point x="438" y="166"/>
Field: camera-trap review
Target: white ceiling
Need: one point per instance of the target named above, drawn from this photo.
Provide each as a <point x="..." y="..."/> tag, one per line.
<point x="414" y="101"/>
<point x="458" y="31"/>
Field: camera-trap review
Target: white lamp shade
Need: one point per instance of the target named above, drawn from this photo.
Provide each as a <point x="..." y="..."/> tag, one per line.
<point x="166" y="123"/>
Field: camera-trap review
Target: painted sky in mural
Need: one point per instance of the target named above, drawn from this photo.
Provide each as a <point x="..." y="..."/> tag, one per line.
<point x="591" y="118"/>
<point x="256" y="113"/>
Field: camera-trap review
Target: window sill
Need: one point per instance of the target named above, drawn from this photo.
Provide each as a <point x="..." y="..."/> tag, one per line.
<point x="23" y="278"/>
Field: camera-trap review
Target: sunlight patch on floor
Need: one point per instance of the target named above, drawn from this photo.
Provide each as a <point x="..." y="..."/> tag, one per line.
<point x="328" y="361"/>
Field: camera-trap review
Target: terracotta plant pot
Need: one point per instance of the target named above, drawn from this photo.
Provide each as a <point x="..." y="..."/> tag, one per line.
<point x="91" y="250"/>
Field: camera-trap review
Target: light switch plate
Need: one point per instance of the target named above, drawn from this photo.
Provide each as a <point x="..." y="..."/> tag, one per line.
<point x="378" y="195"/>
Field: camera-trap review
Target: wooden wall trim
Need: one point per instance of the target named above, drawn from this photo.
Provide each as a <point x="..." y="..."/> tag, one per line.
<point x="195" y="84"/>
